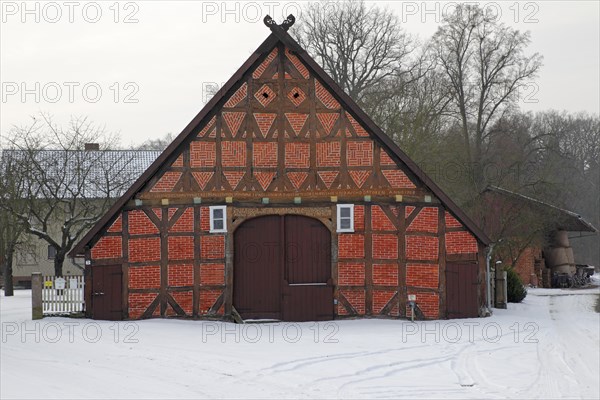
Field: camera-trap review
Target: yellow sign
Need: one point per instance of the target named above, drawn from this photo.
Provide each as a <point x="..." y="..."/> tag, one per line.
<point x="48" y="284"/>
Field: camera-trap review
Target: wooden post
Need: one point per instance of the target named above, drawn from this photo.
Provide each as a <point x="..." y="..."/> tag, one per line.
<point x="501" y="289"/>
<point x="37" y="312"/>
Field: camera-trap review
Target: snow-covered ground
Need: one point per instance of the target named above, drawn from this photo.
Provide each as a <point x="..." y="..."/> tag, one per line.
<point x="546" y="347"/>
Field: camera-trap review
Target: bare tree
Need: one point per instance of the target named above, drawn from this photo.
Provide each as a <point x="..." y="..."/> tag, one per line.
<point x="358" y="46"/>
<point x="485" y="65"/>
<point x="12" y="238"/>
<point x="64" y="189"/>
<point x="157" y="144"/>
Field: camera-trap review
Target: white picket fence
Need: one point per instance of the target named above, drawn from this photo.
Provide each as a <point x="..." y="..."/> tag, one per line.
<point x="62" y="295"/>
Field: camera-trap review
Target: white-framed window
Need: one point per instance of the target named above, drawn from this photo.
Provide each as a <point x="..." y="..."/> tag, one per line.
<point x="218" y="218"/>
<point x="345" y="217"/>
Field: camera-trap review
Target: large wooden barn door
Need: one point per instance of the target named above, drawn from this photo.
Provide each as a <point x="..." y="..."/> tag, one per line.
<point x="257" y="274"/>
<point x="308" y="289"/>
<point x="106" y="292"/>
<point x="282" y="269"/>
<point x="461" y="290"/>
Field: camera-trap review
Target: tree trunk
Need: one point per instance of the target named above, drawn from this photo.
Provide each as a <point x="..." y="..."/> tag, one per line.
<point x="8" y="273"/>
<point x="58" y="264"/>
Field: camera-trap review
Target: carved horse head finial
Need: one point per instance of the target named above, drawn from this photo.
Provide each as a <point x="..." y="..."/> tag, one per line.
<point x="285" y="25"/>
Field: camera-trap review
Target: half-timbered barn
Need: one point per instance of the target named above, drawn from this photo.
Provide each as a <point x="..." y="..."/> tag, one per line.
<point x="283" y="200"/>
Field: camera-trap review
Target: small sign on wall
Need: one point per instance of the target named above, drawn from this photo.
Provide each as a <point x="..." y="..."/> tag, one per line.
<point x="59" y="283"/>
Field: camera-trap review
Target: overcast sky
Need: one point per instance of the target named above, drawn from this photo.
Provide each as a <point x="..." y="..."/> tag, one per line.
<point x="141" y="67"/>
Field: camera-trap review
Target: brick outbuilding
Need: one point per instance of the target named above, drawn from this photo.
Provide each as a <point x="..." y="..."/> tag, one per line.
<point x="283" y="200"/>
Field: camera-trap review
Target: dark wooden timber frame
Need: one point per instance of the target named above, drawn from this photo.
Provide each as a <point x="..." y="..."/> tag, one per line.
<point x="278" y="35"/>
<point x="280" y="38"/>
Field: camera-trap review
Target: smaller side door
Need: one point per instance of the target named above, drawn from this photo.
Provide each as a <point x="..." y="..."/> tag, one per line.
<point x="461" y="290"/>
<point x="107" y="281"/>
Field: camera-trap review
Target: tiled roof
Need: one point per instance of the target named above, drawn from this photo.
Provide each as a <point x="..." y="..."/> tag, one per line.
<point x="88" y="173"/>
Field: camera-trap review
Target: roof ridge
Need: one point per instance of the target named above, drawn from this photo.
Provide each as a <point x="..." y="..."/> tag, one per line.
<point x="279" y="35"/>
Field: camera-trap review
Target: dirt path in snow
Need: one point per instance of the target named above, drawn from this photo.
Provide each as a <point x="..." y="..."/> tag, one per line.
<point x="568" y="351"/>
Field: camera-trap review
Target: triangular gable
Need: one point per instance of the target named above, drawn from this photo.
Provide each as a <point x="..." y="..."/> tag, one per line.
<point x="340" y="121"/>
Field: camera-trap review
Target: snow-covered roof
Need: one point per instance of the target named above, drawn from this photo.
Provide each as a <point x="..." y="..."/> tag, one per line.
<point x="82" y="173"/>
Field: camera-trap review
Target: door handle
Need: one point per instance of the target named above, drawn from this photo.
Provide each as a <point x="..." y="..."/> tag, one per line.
<point x="97" y="293"/>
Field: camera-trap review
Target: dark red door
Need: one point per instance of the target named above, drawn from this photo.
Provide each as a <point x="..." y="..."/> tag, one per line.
<point x="257" y="268"/>
<point x="461" y="290"/>
<point x="308" y="289"/>
<point x="282" y="269"/>
<point x="106" y="292"/>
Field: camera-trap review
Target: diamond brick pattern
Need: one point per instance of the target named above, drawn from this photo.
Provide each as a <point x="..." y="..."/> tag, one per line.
<point x="202" y="178"/>
<point x="265" y="95"/>
<point x="264" y="154"/>
<point x="238" y="96"/>
<point x="297" y="121"/>
<point x="265" y="64"/>
<point x="360" y="177"/>
<point x="328" y="154"/>
<point x="233" y="154"/>
<point x="297" y="155"/>
<point x="360" y="154"/>
<point x="264" y="122"/>
<point x="234" y="178"/>
<point x="296" y="96"/>
<point x="297" y="178"/>
<point x="264" y="178"/>
<point x="328" y="177"/>
<point x="325" y="97"/>
<point x="398" y="179"/>
<point x="324" y="151"/>
<point x="233" y="121"/>
<point x="202" y="154"/>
